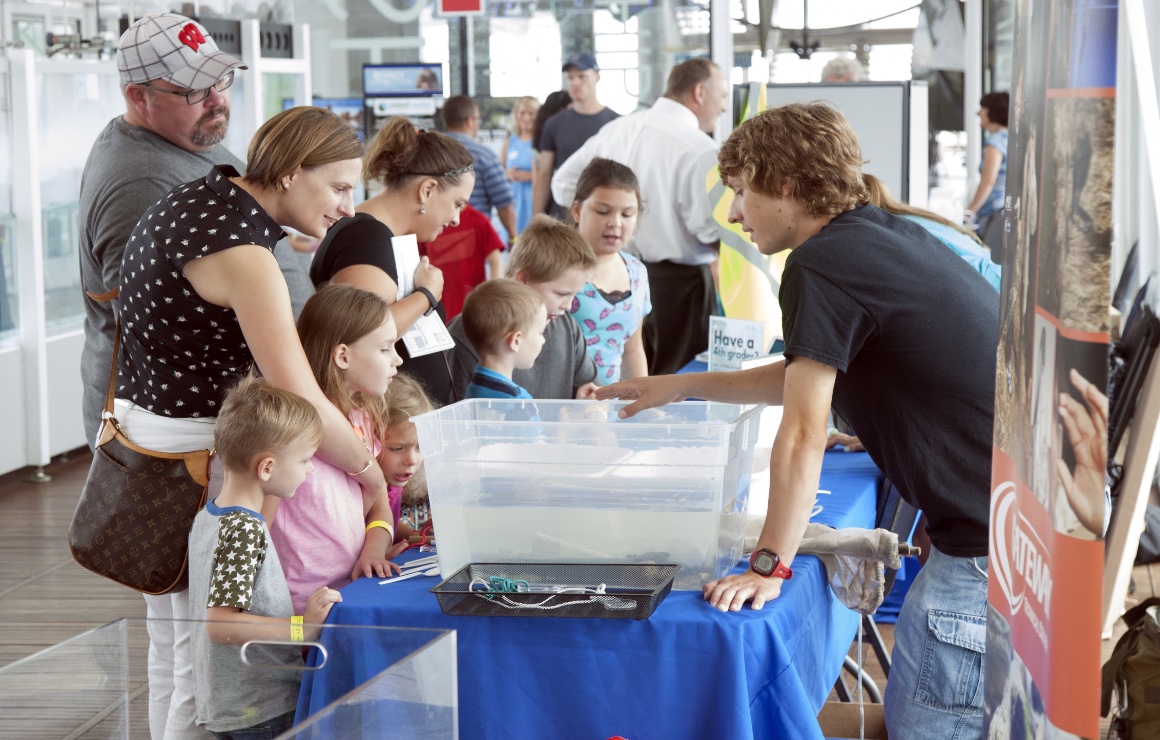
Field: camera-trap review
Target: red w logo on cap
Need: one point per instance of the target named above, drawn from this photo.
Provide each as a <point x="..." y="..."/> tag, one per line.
<point x="191" y="36"/>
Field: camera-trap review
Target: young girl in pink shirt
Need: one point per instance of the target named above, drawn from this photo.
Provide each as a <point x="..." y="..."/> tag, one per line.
<point x="330" y="532"/>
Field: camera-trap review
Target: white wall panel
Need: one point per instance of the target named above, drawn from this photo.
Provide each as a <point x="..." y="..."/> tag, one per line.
<point x="13" y="449"/>
<point x="65" y="426"/>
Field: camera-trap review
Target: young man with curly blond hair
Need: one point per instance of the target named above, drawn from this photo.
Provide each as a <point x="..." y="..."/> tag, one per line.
<point x="896" y="332"/>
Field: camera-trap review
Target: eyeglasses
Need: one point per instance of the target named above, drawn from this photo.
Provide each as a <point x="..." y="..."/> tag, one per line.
<point x="193" y="97"/>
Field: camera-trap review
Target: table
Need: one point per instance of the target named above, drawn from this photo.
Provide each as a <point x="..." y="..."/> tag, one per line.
<point x="689" y="671"/>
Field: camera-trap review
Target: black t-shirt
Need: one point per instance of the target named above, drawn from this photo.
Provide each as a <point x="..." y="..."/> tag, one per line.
<point x="180" y="353"/>
<point x="912" y="331"/>
<point x="364" y="240"/>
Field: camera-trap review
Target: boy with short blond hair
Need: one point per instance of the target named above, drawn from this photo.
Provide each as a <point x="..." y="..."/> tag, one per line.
<point x="547" y="249"/>
<point x="505" y="321"/>
<point x="266" y="437"/>
<point x="555" y="261"/>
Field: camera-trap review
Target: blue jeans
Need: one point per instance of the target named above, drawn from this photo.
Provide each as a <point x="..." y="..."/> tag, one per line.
<point x="935" y="688"/>
<point x="268" y="730"/>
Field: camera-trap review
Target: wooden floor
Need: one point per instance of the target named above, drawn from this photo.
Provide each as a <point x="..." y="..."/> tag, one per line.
<point x="46" y="598"/>
<point x="40" y="585"/>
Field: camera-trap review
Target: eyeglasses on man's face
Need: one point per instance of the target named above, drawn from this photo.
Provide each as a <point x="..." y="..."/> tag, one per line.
<point x="193" y="97"/>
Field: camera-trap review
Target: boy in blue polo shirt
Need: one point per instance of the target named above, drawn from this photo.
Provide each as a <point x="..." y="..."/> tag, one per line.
<point x="505" y="322"/>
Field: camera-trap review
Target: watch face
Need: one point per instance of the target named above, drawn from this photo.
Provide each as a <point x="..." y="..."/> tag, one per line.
<point x="764" y="563"/>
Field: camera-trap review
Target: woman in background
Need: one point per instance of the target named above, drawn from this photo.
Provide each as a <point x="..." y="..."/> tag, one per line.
<point x="517" y="158"/>
<point x="427" y="178"/>
<point x="962" y="242"/>
<point x="988" y="198"/>
<point x="553" y="104"/>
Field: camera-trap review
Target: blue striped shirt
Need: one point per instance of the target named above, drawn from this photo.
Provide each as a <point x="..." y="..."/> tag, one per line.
<point x="491" y="184"/>
<point x="487" y="383"/>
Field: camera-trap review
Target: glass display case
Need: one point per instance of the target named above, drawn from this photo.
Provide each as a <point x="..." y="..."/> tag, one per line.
<point x="95" y="685"/>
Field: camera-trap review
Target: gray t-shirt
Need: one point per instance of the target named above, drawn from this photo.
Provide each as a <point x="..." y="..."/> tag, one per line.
<point x="566" y="132"/>
<point x="232" y="562"/>
<point x="562" y="367"/>
<point x="128" y="170"/>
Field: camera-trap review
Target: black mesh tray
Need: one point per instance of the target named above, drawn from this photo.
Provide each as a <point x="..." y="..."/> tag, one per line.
<point x="631" y="590"/>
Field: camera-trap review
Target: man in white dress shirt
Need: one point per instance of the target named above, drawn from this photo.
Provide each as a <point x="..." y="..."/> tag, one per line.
<point x="669" y="149"/>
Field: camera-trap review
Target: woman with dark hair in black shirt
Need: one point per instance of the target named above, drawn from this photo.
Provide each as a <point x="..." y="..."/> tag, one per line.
<point x="427" y="178"/>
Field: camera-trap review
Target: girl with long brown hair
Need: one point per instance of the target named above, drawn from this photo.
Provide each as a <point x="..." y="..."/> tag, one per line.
<point x="329" y="533"/>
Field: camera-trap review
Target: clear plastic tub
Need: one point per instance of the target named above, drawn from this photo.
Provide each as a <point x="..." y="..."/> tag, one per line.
<point x="568" y="481"/>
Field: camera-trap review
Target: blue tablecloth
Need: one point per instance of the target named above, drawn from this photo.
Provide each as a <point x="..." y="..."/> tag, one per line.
<point x="689" y="671"/>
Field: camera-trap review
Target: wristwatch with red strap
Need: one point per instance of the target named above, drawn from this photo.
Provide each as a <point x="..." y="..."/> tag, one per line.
<point x="767" y="563"/>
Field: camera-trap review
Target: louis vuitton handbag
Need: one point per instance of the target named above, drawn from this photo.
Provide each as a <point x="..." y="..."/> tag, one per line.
<point x="133" y="519"/>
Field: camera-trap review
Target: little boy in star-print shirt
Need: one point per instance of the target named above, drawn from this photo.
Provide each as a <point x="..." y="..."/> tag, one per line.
<point x="266" y="438"/>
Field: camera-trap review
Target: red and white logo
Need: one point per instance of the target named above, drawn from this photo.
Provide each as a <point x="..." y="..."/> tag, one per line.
<point x="191" y="36"/>
<point x="1019" y="558"/>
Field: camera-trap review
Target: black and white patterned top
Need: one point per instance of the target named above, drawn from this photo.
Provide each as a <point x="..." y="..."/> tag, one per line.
<point x="239" y="555"/>
<point x="179" y="352"/>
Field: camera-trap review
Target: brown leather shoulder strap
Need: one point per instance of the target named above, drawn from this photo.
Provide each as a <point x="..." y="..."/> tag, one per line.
<point x="108" y="295"/>
<point x="113" y="367"/>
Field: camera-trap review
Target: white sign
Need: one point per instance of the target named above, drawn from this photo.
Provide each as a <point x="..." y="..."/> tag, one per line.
<point x="429" y="334"/>
<point x="733" y="340"/>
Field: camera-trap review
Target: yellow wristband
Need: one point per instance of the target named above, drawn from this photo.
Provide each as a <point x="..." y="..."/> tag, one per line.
<point x="296" y="629"/>
<point x="365" y="469"/>
<point x="384" y="525"/>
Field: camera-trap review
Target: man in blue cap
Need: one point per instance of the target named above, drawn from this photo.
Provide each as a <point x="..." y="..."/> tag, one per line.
<point x="567" y="131"/>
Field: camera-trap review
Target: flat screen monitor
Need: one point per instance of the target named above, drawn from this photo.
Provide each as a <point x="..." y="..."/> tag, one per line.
<point x="348" y="109"/>
<point x="402" y="80"/>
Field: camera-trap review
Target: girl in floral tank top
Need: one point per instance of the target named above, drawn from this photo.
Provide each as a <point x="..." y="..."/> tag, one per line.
<point x="612" y="305"/>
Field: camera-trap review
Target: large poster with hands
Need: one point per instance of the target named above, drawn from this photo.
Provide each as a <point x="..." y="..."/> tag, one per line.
<point x="1047" y="503"/>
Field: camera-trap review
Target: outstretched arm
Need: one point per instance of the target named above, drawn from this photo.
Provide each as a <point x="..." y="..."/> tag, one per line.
<point x="507" y="217"/>
<point x="378" y="547"/>
<point x="795" y="467"/>
<point x="992" y="159"/>
<point x="757" y="385"/>
<point x="247" y="279"/>
<point x="542" y="181"/>
<point x="227" y="625"/>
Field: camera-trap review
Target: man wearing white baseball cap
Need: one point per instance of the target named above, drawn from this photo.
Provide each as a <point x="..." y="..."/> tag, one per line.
<point x="173" y="48"/>
<point x="176" y="83"/>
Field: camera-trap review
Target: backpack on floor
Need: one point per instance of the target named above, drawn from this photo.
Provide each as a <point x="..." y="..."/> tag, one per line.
<point x="1133" y="674"/>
